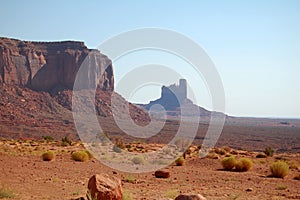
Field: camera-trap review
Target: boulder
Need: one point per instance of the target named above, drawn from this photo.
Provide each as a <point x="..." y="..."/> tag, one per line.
<point x="162" y="174"/>
<point x="190" y="197"/>
<point x="105" y="187"/>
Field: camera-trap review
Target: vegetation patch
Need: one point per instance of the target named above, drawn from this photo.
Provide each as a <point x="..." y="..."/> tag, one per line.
<point x="172" y="194"/>
<point x="48" y="156"/>
<point x="228" y="163"/>
<point x="138" y="160"/>
<point x="80" y="156"/>
<point x="243" y="165"/>
<point x="279" y="169"/>
<point x="6" y="193"/>
<point x="269" y="151"/>
<point x="180" y="161"/>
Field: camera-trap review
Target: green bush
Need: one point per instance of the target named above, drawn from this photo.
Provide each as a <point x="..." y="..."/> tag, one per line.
<point x="81" y="156"/>
<point x="243" y="164"/>
<point x="279" y="169"/>
<point x="138" y="160"/>
<point x="269" y="151"/>
<point x="228" y="163"/>
<point x="48" y="156"/>
<point x="180" y="161"/>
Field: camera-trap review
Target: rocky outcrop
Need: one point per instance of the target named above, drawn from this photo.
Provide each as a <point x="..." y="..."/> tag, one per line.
<point x="52" y="66"/>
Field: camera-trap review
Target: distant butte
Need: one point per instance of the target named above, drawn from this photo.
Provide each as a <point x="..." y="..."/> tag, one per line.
<point x="173" y="98"/>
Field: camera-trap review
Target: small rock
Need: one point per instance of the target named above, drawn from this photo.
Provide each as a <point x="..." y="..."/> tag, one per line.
<point x="249" y="190"/>
<point x="190" y="197"/>
<point x="162" y="174"/>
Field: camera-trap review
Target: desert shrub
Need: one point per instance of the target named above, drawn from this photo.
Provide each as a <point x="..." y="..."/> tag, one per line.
<point x="89" y="154"/>
<point x="281" y="187"/>
<point x="228" y="163"/>
<point x="180" y="161"/>
<point x="81" y="156"/>
<point x="65" y="141"/>
<point x="130" y="179"/>
<point x="138" y="160"/>
<point x="117" y="149"/>
<point x="243" y="164"/>
<point x="279" y="169"/>
<point x="6" y="193"/>
<point x="48" y="156"/>
<point x="127" y="195"/>
<point x="269" y="151"/>
<point x="172" y="193"/>
<point x="48" y="138"/>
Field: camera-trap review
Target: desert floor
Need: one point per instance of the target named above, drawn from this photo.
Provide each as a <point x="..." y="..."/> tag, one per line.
<point x="26" y="176"/>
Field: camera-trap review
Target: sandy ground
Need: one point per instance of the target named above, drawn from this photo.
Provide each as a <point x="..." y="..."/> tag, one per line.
<point x="29" y="177"/>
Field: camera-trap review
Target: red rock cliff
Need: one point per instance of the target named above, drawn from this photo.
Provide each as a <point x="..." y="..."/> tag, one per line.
<point x="51" y="66"/>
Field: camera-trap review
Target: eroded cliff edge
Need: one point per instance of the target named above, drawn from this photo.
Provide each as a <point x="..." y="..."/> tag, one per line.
<point x="52" y="66"/>
<point x="36" y="87"/>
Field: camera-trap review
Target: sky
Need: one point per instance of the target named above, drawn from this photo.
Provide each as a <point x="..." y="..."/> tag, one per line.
<point x="254" y="45"/>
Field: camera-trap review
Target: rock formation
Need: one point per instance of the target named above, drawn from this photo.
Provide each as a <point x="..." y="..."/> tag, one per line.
<point x="52" y="66"/>
<point x="36" y="83"/>
<point x="173" y="99"/>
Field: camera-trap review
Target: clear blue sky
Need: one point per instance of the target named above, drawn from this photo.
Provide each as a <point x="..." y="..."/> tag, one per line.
<point x="255" y="44"/>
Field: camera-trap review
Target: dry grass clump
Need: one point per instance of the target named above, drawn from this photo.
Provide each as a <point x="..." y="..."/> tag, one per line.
<point x="80" y="156"/>
<point x="279" y="169"/>
<point x="180" y="161"/>
<point x="243" y="165"/>
<point x="89" y="154"/>
<point x="138" y="160"/>
<point x="228" y="163"/>
<point x="48" y="156"/>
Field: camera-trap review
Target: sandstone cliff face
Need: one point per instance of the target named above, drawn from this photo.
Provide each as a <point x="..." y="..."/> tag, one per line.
<point x="52" y="66"/>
